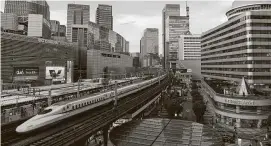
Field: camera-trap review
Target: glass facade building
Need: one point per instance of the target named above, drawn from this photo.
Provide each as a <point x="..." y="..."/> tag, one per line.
<point x="169" y="10"/>
<point x="23" y="8"/>
<point x="104" y="16"/>
<point x="77" y="20"/>
<point x="175" y="26"/>
<point x="102" y="38"/>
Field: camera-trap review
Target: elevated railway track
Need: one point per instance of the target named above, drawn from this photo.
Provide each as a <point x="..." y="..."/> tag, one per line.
<point x="81" y="126"/>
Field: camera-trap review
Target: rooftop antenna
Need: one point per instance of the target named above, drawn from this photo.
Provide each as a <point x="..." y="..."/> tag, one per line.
<point x="187" y="9"/>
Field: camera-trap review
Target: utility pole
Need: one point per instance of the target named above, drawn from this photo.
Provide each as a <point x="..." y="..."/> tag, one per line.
<point x="50" y="96"/>
<point x="116" y="97"/>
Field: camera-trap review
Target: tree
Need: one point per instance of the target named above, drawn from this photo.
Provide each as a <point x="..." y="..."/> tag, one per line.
<point x="199" y="110"/>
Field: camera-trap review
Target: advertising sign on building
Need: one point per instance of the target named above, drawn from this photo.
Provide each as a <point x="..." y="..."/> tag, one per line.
<point x="25" y="73"/>
<point x="56" y="73"/>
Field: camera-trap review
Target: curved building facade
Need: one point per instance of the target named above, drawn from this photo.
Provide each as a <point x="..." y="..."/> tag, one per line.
<point x="239" y="7"/>
<point x="102" y="38"/>
<point x="239" y="48"/>
<point x="29" y="60"/>
<point x="249" y="112"/>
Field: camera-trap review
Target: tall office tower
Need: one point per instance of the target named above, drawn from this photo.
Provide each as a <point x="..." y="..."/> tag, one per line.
<point x="241" y="46"/>
<point x="33" y="17"/>
<point x="150" y="44"/>
<point x="55" y="27"/>
<point x="175" y="26"/>
<point x="62" y="30"/>
<point x="23" y="8"/>
<point x="104" y="16"/>
<point x="169" y="10"/>
<point x="9" y="22"/>
<point x="77" y="20"/>
<point x="127" y="44"/>
<point x="189" y="47"/>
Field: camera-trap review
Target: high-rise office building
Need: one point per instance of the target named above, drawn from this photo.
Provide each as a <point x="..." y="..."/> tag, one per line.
<point x="149" y="45"/>
<point x="173" y="26"/>
<point x="23" y="8"/>
<point x="189" y="47"/>
<point x="239" y="47"/>
<point x="104" y="16"/>
<point x="169" y="10"/>
<point x="62" y="30"/>
<point x="33" y="17"/>
<point x="9" y="22"/>
<point x="55" y="27"/>
<point x="236" y="66"/>
<point x="77" y="21"/>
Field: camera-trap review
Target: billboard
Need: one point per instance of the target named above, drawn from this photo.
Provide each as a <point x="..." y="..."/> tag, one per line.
<point x="25" y="73"/>
<point x="55" y="73"/>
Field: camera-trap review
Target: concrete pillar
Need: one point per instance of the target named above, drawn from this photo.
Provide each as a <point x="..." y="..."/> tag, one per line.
<point x="105" y="134"/>
<point x="259" y="125"/>
<point x="238" y="123"/>
<point x="50" y="98"/>
<point x="222" y="119"/>
<point x="222" y="105"/>
<point x="237" y="108"/>
<point x="259" y="110"/>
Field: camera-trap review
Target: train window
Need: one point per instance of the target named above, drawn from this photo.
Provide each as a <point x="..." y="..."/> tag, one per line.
<point x="72" y="107"/>
<point x="45" y="111"/>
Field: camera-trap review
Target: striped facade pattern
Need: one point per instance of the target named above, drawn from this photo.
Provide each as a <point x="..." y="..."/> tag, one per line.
<point x="23" y="51"/>
<point x="240" y="47"/>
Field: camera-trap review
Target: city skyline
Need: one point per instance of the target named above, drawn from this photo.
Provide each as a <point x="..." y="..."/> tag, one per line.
<point x="128" y="19"/>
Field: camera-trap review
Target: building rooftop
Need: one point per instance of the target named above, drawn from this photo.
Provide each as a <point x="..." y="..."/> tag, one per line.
<point x="218" y="86"/>
<point x="164" y="132"/>
<point x="238" y="3"/>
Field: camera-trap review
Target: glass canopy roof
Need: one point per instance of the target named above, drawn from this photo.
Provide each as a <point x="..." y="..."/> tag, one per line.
<point x="164" y="132"/>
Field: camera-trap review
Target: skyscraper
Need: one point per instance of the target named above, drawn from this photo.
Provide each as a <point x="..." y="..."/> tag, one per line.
<point x="77" y="20"/>
<point x="23" y="8"/>
<point x="104" y="16"/>
<point x="169" y="10"/>
<point x="150" y="41"/>
<point x="149" y="44"/>
<point x="174" y="25"/>
<point x="55" y="27"/>
<point x="33" y="17"/>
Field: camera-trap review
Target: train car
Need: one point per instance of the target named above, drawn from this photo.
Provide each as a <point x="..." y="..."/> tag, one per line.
<point x="65" y="109"/>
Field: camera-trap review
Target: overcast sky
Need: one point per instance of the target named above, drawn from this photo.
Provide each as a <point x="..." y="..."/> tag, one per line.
<point x="132" y="17"/>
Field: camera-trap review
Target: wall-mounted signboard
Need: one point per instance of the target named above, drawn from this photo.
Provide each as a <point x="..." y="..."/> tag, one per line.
<point x="25" y="73"/>
<point x="56" y="73"/>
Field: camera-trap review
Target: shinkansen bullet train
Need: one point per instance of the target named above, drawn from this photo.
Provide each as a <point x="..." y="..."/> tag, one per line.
<point x="65" y="109"/>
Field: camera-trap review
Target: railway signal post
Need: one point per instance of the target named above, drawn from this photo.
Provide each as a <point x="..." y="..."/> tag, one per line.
<point x="116" y="98"/>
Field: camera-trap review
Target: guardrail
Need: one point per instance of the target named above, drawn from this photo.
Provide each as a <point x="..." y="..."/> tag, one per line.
<point x="72" y="131"/>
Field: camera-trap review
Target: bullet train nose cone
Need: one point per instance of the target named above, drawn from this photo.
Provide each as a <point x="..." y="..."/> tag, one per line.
<point x="21" y="129"/>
